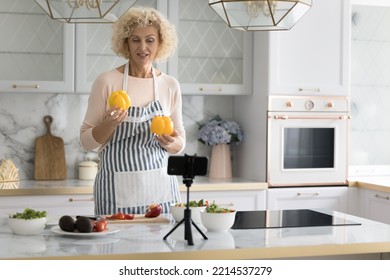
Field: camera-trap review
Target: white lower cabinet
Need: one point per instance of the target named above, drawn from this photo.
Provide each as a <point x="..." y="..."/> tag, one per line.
<point x="244" y="200"/>
<point x="55" y="205"/>
<point x="375" y="205"/>
<point x="333" y="198"/>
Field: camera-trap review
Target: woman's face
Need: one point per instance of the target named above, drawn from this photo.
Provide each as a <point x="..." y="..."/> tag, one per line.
<point x="143" y="44"/>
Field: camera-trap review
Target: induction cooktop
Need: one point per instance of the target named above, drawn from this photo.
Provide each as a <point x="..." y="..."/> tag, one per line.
<point x="286" y="218"/>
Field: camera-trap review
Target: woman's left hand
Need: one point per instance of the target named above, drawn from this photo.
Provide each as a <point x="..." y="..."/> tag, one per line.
<point x="171" y="143"/>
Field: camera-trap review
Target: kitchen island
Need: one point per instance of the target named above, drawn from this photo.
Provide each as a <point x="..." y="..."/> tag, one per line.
<point x="370" y="240"/>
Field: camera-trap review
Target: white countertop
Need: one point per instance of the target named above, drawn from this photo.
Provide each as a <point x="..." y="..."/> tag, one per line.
<point x="74" y="186"/>
<point x="145" y="241"/>
<point x="374" y="177"/>
<point x="376" y="183"/>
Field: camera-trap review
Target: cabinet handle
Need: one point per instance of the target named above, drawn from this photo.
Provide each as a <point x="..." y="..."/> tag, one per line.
<point x="25" y="86"/>
<point x="382" y="197"/>
<point x="226" y="204"/>
<point x="308" y="194"/>
<point x="211" y="89"/>
<point x="81" y="199"/>
<point x="310" y="89"/>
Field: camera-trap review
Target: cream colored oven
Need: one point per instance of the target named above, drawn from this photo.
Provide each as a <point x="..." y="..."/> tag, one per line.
<point x="307" y="141"/>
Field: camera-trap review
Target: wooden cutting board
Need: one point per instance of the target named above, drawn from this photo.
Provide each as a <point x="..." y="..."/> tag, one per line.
<point x="140" y="218"/>
<point x="49" y="155"/>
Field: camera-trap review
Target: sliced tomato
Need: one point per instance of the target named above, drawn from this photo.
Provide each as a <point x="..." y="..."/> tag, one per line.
<point x="117" y="216"/>
<point x="129" y="216"/>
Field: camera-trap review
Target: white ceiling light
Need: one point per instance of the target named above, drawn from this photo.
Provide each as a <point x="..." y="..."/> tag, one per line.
<point x="85" y="11"/>
<point x="261" y="15"/>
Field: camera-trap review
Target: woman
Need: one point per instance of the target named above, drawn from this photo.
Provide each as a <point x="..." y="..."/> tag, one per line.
<point x="133" y="162"/>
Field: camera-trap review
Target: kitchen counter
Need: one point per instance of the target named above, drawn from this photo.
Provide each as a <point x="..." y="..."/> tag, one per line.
<point x="59" y="187"/>
<point x="74" y="186"/>
<point x="374" y="183"/>
<point x="52" y="187"/>
<point x="145" y="241"/>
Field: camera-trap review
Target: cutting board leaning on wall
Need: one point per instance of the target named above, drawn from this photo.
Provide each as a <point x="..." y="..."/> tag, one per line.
<point x="49" y="155"/>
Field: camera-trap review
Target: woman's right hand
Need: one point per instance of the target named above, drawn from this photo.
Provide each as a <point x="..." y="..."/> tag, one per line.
<point x="115" y="116"/>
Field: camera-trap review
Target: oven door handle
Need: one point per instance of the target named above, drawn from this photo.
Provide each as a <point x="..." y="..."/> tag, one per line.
<point x="311" y="117"/>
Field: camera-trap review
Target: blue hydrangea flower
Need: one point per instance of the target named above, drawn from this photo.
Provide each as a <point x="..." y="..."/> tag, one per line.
<point x="218" y="131"/>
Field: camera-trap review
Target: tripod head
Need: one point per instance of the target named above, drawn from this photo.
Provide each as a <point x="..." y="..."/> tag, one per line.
<point x="187" y="166"/>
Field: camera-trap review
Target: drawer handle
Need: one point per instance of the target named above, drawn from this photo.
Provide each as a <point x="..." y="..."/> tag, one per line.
<point x="382" y="197"/>
<point x="81" y="199"/>
<point x="308" y="194"/>
<point x="211" y="89"/>
<point x="310" y="89"/>
<point x="25" y="86"/>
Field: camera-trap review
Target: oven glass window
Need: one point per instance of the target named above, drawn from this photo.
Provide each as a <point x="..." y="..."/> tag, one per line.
<point x="308" y="148"/>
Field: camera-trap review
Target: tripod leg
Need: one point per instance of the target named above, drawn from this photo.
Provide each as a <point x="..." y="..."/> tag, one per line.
<point x="172" y="230"/>
<point x="204" y="236"/>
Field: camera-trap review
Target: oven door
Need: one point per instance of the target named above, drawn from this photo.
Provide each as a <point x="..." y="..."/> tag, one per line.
<point x="307" y="149"/>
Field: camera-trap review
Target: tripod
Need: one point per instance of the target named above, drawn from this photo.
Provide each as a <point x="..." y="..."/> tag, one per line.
<point x="187" y="180"/>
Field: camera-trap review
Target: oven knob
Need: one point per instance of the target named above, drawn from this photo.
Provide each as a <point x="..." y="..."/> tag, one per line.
<point x="289" y="104"/>
<point x="330" y="104"/>
<point x="309" y="105"/>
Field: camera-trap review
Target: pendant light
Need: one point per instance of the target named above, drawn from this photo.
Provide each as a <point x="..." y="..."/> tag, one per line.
<point x="261" y="15"/>
<point x="85" y="11"/>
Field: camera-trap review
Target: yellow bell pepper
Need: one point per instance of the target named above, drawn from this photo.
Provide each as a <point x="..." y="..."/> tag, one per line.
<point x="162" y="125"/>
<point x="119" y="99"/>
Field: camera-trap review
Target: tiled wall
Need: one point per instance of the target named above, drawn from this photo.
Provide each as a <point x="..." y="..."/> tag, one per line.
<point x="21" y="121"/>
<point x="370" y="86"/>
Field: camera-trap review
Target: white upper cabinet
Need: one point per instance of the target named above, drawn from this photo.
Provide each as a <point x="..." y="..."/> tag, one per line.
<point x="212" y="59"/>
<point x="313" y="57"/>
<point x="93" y="50"/>
<point x="93" y="54"/>
<point x="36" y="52"/>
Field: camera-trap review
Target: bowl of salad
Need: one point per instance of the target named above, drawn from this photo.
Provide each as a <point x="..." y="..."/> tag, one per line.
<point x="29" y="222"/>
<point x="196" y="207"/>
<point x="217" y="219"/>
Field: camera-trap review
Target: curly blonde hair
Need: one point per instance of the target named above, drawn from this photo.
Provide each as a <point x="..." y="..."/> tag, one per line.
<point x="137" y="17"/>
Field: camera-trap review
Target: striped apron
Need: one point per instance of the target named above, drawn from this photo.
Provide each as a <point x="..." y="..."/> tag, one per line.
<point x="133" y="166"/>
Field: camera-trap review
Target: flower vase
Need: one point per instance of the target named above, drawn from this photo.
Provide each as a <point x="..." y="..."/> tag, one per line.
<point x="220" y="166"/>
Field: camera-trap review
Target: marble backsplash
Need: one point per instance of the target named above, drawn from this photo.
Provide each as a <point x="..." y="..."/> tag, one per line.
<point x="21" y="121"/>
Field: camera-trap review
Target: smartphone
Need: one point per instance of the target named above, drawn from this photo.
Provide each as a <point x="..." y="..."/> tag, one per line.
<point x="187" y="165"/>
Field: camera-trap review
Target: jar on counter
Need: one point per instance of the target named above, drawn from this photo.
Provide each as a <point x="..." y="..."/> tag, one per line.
<point x="88" y="170"/>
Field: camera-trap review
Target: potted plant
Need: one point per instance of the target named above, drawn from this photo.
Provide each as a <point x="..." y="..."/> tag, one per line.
<point x="219" y="134"/>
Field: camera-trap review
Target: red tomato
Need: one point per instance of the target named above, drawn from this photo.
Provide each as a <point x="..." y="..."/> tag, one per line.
<point x="100" y="225"/>
<point x="153" y="211"/>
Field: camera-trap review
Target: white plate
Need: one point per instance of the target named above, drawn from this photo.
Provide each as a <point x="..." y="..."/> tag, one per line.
<point x="51" y="223"/>
<point x="110" y="230"/>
